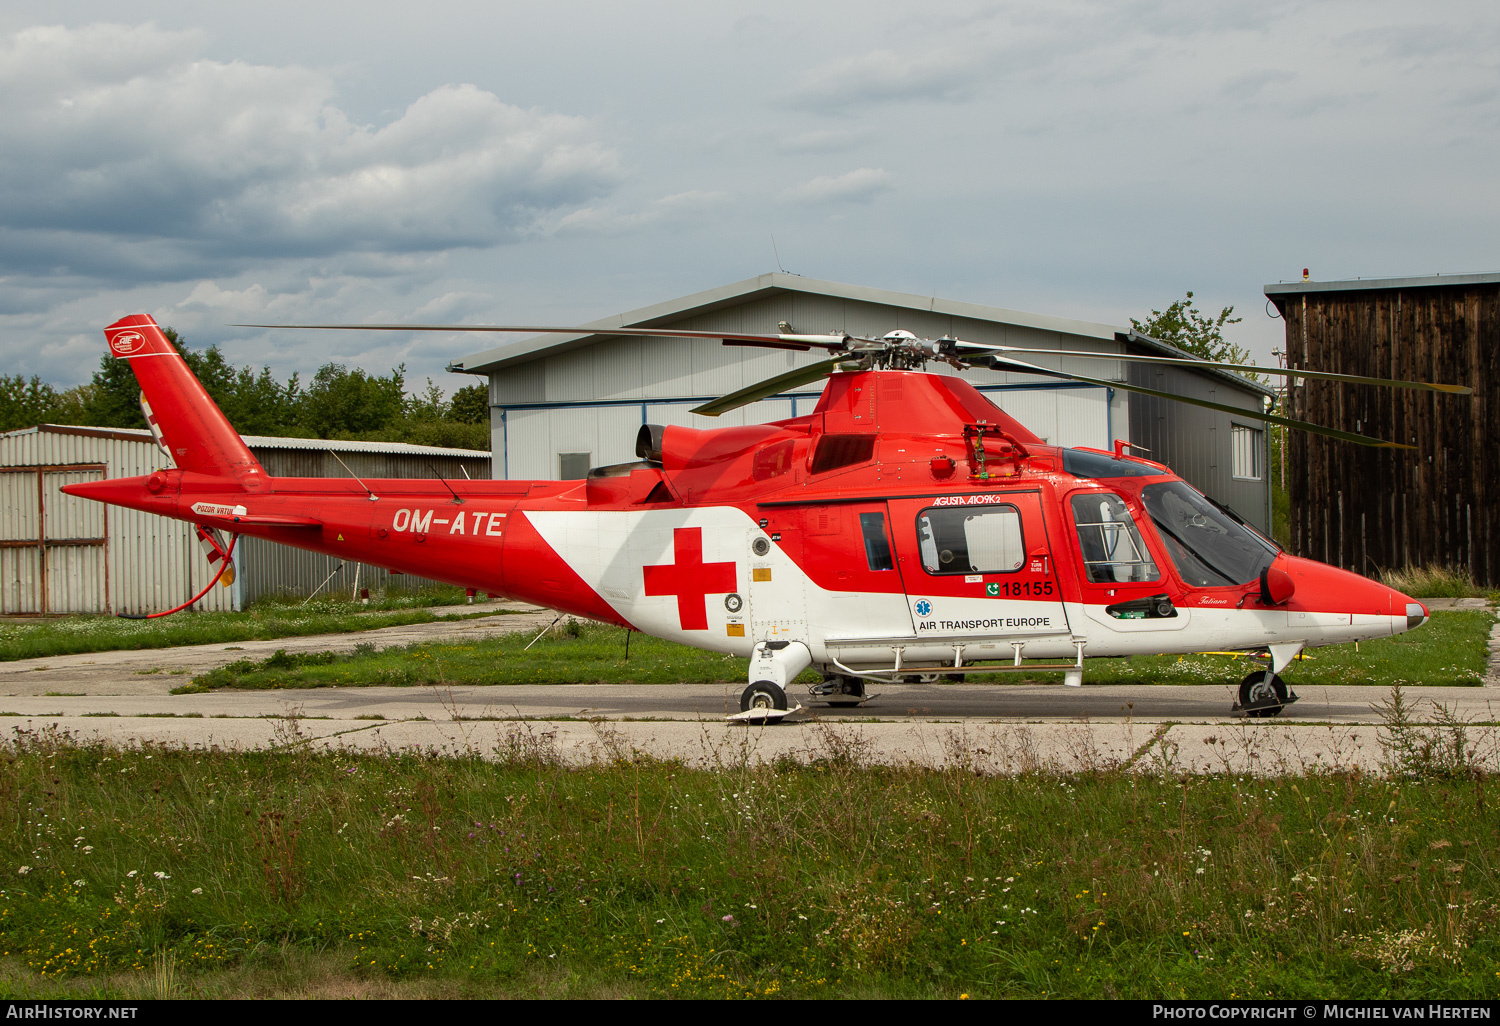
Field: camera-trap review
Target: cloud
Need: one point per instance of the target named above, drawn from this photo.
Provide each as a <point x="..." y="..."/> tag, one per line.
<point x="860" y="186"/>
<point x="826" y="140"/>
<point x="883" y="76"/>
<point x="679" y="208"/>
<point x="120" y="141"/>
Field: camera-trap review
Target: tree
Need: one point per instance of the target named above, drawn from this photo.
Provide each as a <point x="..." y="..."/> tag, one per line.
<point x="471" y="405"/>
<point x="23" y="403"/>
<point x="343" y="403"/>
<point x="1183" y="325"/>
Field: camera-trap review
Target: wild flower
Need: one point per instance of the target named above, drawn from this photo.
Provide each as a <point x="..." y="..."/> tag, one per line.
<point x="160" y="875"/>
<point x="24" y="870"/>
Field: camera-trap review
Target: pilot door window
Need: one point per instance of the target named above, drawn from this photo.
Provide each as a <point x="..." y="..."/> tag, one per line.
<point x="966" y="540"/>
<point x="1113" y="552"/>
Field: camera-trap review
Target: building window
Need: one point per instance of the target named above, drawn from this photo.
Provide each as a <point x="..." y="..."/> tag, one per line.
<point x="1248" y="444"/>
<point x="574" y="466"/>
<point x="963" y="541"/>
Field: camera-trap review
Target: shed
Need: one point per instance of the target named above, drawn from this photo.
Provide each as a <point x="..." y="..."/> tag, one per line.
<point x="1373" y="509"/>
<point x="61" y="554"/>
<point x="561" y="404"/>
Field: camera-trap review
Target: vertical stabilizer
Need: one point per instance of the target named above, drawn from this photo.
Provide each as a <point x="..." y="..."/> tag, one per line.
<point x="192" y="428"/>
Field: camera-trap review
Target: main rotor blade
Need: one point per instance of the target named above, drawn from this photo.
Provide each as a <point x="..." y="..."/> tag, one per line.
<point x="1269" y="418"/>
<point x="1286" y="372"/>
<point x="778" y="341"/>
<point x="769" y="387"/>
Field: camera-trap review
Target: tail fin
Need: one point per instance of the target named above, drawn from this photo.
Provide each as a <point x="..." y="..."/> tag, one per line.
<point x="193" y="429"/>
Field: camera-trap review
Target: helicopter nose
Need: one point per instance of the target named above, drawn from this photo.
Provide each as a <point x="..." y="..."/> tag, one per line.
<point x="1416" y="614"/>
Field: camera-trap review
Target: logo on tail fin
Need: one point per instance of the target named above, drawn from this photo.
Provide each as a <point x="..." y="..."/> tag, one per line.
<point x="127" y="342"/>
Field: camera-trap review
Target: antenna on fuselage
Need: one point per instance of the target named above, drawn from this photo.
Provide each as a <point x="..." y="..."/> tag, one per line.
<point x="456" y="500"/>
<point x="352" y="474"/>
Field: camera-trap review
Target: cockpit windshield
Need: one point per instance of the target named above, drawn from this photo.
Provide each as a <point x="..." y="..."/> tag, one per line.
<point x="1208" y="548"/>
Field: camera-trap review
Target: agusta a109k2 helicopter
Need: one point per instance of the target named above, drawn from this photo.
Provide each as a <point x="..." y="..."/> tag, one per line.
<point x="907" y="526"/>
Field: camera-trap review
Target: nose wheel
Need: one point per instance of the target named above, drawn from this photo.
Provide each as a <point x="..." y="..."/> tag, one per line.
<point x="764" y="696"/>
<point x="1263" y="694"/>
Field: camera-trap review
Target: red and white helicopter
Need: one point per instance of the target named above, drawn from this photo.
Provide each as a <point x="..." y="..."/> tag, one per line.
<point x="907" y="526"/>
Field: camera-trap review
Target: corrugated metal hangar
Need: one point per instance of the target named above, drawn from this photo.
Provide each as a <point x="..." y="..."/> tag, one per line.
<point x="61" y="554"/>
<point x="561" y="404"/>
<point x="1370" y="509"/>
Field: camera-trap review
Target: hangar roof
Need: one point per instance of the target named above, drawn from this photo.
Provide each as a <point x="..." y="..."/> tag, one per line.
<point x="673" y="310"/>
<point x="1286" y="288"/>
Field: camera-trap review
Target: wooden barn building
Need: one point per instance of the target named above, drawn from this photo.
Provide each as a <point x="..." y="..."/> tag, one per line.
<point x="1371" y="509"/>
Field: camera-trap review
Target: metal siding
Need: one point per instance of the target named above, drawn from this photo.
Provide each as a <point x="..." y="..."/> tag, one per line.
<point x="20" y="580"/>
<point x="529" y="444"/>
<point x="20" y="517"/>
<point x="1196" y="443"/>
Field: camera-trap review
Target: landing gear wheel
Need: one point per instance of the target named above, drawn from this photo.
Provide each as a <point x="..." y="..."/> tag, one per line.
<point x="933" y="678"/>
<point x="845" y="691"/>
<point x="1259" y="691"/>
<point x="764" y="695"/>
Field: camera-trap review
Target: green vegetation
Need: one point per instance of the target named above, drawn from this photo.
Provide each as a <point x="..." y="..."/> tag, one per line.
<point x="337" y="402"/>
<point x="270" y="618"/>
<point x="1451" y="650"/>
<point x="150" y="872"/>
<point x="1434" y="582"/>
<point x="1183" y="325"/>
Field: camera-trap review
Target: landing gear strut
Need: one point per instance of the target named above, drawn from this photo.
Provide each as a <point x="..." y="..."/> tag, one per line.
<point x="773" y="664"/>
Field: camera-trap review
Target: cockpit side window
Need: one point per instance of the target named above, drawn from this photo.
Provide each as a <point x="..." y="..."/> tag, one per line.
<point x="1209" y="549"/>
<point x="1113" y="552"/>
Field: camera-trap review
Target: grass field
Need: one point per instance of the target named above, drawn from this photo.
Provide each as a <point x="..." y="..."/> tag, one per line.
<point x="271" y="618"/>
<point x="1451" y="650"/>
<point x="152" y="872"/>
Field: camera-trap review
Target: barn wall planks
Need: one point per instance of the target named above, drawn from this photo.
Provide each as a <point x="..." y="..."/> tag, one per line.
<point x="1372" y="509"/>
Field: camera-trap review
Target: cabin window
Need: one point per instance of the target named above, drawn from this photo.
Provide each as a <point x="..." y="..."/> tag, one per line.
<point x="877" y="544"/>
<point x="1247" y="444"/>
<point x="971" y="540"/>
<point x="573" y="466"/>
<point x="1113" y="552"/>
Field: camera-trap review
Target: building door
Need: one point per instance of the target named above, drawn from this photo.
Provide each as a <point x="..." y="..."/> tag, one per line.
<point x="52" y="546"/>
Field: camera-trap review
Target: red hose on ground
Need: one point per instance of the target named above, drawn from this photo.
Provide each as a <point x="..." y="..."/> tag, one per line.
<point x="223" y="565"/>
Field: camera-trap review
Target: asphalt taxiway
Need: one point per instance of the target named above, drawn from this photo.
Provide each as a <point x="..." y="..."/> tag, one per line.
<point x="124" y="698"/>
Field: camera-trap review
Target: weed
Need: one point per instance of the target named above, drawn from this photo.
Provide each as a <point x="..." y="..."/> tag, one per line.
<point x="142" y="871"/>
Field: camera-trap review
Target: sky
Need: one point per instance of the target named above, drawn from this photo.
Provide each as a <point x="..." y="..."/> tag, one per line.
<point x="555" y="163"/>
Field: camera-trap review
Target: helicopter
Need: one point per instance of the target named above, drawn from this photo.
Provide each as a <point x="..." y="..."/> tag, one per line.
<point x="908" y="528"/>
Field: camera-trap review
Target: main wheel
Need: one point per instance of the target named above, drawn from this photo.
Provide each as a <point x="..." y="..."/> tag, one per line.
<point x="763" y="694"/>
<point x="849" y="691"/>
<point x="1258" y="687"/>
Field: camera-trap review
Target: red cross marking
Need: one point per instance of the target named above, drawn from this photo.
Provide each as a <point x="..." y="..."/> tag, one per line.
<point x="690" y="579"/>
